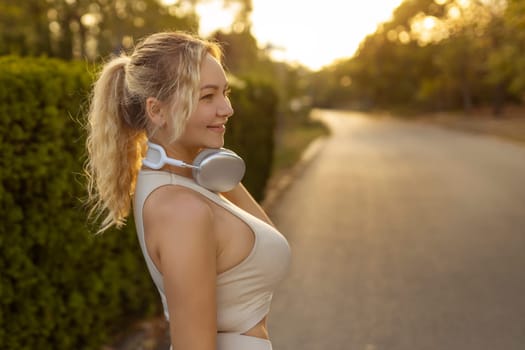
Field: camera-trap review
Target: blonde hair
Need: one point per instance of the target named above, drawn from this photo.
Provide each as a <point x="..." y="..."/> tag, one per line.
<point x="165" y="66"/>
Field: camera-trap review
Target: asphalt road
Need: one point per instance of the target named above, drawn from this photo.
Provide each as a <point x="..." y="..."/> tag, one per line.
<point x="404" y="237"/>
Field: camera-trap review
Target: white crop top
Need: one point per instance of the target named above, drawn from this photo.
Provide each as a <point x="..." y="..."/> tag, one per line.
<point x="244" y="292"/>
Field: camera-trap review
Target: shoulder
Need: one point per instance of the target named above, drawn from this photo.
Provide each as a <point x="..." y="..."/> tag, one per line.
<point x="177" y="218"/>
<point x="172" y="204"/>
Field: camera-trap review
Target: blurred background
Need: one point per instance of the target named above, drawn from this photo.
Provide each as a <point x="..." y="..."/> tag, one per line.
<point x="453" y="63"/>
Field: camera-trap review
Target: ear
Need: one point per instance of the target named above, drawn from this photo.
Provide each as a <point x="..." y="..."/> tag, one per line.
<point x="154" y="112"/>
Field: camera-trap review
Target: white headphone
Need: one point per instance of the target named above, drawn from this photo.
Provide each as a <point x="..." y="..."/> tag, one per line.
<point x="218" y="170"/>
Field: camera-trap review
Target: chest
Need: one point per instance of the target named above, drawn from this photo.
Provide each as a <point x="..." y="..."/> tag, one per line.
<point x="235" y="239"/>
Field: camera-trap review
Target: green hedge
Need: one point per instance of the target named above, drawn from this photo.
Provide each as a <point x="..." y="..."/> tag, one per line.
<point x="61" y="287"/>
<point x="251" y="131"/>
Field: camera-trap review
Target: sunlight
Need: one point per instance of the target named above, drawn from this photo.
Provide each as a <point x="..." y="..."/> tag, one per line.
<point x="89" y="20"/>
<point x="301" y="31"/>
<point x="429" y="22"/>
<point x="426" y="29"/>
<point x="454" y="12"/>
<point x="316" y="35"/>
<point x="215" y="16"/>
<point x="463" y="3"/>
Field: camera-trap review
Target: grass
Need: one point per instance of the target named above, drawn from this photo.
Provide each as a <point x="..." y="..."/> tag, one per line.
<point x="293" y="142"/>
<point x="291" y="145"/>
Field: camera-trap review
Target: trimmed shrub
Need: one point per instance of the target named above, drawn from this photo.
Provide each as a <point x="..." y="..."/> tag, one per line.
<point x="61" y="286"/>
<point x="251" y="132"/>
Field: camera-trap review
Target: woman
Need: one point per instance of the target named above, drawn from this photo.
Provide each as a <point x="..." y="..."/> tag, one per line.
<point x="214" y="257"/>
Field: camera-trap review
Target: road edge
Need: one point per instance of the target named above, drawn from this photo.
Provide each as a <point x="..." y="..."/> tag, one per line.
<point x="278" y="185"/>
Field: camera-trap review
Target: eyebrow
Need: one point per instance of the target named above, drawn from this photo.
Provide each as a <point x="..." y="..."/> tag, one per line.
<point x="213" y="86"/>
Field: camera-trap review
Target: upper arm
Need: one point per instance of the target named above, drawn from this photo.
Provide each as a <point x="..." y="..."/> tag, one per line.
<point x="182" y="229"/>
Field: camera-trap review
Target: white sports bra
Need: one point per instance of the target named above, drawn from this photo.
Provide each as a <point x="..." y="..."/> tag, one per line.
<point x="244" y="292"/>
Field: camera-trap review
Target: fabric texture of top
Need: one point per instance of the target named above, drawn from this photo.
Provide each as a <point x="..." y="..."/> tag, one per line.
<point x="244" y="292"/>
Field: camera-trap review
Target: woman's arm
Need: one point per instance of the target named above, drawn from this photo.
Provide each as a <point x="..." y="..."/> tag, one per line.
<point x="181" y="232"/>
<point x="243" y="199"/>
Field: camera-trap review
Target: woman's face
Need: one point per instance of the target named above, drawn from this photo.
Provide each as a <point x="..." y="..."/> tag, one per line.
<point x="206" y="126"/>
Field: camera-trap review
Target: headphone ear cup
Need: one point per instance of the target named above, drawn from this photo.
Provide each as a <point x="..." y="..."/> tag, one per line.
<point x="205" y="153"/>
<point x="218" y="170"/>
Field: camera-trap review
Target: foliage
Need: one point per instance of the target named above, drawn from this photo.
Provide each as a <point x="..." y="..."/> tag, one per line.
<point x="247" y="61"/>
<point x="85" y="28"/>
<point x="434" y="55"/>
<point x="251" y="132"/>
<point x="89" y="29"/>
<point x="294" y="142"/>
<point x="513" y="48"/>
<point x="62" y="288"/>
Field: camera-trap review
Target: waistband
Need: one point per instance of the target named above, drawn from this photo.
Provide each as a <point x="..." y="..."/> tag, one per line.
<point x="234" y="341"/>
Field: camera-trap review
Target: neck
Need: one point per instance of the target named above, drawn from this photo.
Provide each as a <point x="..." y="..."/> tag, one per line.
<point x="186" y="172"/>
<point x="179" y="152"/>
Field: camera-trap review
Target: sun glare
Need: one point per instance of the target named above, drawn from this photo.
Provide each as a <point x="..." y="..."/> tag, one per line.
<point x="426" y="29"/>
<point x="317" y="33"/>
<point x="215" y="16"/>
<point x="311" y="33"/>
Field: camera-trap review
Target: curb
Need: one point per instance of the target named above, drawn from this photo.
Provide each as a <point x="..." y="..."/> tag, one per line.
<point x="279" y="184"/>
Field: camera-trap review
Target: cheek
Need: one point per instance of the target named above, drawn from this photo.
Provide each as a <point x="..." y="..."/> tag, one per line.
<point x="203" y="115"/>
<point x="196" y="122"/>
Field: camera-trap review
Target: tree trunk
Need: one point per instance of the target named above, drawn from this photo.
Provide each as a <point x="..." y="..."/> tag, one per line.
<point x="498" y="99"/>
<point x="467" y="96"/>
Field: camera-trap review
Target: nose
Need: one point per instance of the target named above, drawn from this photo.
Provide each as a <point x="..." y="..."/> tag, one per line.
<point x="226" y="109"/>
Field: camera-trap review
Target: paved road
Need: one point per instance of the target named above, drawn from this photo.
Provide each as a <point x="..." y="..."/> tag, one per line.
<point x="404" y="237"/>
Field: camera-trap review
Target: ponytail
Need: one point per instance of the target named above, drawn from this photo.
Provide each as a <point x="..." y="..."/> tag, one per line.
<point x="165" y="66"/>
<point x="114" y="147"/>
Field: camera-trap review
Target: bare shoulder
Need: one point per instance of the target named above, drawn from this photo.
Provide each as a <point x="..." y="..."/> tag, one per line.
<point x="173" y="202"/>
<point x="178" y="218"/>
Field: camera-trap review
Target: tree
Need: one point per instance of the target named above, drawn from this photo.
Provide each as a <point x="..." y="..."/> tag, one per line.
<point x="24" y="27"/>
<point x="86" y="28"/>
<point x="514" y="60"/>
<point x="439" y="54"/>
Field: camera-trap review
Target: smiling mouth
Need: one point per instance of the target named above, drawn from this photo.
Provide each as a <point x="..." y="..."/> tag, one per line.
<point x="221" y="127"/>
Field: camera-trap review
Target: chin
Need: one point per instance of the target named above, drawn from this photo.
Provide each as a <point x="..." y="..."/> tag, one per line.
<point x="217" y="144"/>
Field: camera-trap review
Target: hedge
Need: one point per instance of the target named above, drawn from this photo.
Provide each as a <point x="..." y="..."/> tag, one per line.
<point x="62" y="287"/>
<point x="251" y="131"/>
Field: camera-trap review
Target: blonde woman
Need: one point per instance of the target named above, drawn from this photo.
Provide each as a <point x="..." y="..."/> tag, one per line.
<point x="214" y="255"/>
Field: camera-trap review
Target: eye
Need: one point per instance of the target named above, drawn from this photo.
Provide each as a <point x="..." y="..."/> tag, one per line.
<point x="207" y="97"/>
<point x="227" y="92"/>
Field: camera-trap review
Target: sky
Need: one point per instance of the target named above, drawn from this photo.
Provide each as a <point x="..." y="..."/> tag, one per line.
<point x="311" y="33"/>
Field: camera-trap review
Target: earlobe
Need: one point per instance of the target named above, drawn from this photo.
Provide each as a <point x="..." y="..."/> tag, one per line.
<point x="154" y="112"/>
